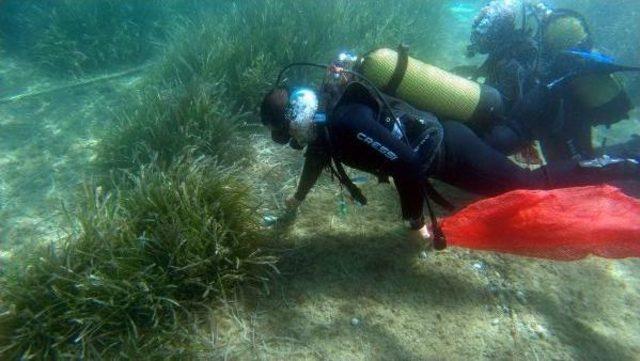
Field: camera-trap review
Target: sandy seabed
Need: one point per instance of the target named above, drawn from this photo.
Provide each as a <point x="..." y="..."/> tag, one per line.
<point x="352" y="289"/>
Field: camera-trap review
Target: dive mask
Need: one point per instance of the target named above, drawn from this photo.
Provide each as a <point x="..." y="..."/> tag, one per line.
<point x="303" y="117"/>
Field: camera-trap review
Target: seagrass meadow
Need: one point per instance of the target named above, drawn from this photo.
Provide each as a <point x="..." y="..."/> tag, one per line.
<point x="136" y="178"/>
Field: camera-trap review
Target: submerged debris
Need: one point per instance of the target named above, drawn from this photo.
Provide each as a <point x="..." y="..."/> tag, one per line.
<point x="5" y="256"/>
<point x="269" y="220"/>
<point x="355" y="322"/>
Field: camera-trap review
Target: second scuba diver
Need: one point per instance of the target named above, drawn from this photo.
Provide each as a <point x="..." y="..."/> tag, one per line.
<point x="554" y="85"/>
<point x="384" y="136"/>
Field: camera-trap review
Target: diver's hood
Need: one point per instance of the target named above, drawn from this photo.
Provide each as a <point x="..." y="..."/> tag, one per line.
<point x="494" y="22"/>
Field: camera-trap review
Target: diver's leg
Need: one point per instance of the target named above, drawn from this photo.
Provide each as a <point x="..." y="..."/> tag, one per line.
<point x="628" y="149"/>
<point x="473" y="165"/>
<point x="574" y="174"/>
<point x="503" y="139"/>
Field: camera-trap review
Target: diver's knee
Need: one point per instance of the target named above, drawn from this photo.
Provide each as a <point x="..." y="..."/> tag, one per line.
<point x="454" y="129"/>
<point x="504" y="139"/>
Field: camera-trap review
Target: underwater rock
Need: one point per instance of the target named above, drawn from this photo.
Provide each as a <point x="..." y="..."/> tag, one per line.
<point x="540" y="331"/>
<point x="505" y="308"/>
<point x="479" y="266"/>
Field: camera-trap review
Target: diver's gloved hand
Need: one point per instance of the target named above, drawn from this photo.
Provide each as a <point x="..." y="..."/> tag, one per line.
<point x="289" y="214"/>
<point x="292" y="203"/>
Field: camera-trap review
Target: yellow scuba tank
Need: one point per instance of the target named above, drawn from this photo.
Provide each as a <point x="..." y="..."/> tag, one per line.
<point x="568" y="30"/>
<point x="563" y="31"/>
<point x="597" y="90"/>
<point x="429" y="88"/>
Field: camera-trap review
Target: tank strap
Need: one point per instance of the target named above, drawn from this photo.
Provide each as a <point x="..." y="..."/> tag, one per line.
<point x="398" y="73"/>
<point x="439" y="238"/>
<point x="437" y="197"/>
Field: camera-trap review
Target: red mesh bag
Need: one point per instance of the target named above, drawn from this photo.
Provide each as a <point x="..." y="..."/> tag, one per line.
<point x="564" y="224"/>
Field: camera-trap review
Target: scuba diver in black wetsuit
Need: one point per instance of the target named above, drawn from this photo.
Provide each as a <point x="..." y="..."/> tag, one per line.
<point x="555" y="87"/>
<point x="359" y="131"/>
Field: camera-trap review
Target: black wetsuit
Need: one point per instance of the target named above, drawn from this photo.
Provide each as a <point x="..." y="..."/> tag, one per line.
<point x="555" y="118"/>
<point x="562" y="126"/>
<point x="463" y="159"/>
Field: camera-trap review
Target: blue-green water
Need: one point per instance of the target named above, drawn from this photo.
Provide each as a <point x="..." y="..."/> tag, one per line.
<point x="73" y="72"/>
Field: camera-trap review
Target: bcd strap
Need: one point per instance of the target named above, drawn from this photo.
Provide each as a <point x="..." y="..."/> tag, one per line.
<point x="439" y="239"/>
<point x="354" y="191"/>
<point x="338" y="170"/>
<point x="432" y="193"/>
<point x="398" y="73"/>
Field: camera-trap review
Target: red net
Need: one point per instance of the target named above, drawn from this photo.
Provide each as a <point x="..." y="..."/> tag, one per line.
<point x="563" y="224"/>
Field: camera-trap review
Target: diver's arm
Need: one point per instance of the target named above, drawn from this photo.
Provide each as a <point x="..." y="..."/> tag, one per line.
<point x="392" y="157"/>
<point x="406" y="173"/>
<point x="316" y="159"/>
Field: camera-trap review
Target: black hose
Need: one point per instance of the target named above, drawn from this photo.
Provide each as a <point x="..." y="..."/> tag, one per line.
<point x="281" y="74"/>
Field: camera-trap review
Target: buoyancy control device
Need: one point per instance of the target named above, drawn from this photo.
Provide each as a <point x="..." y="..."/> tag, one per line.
<point x="565" y="32"/>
